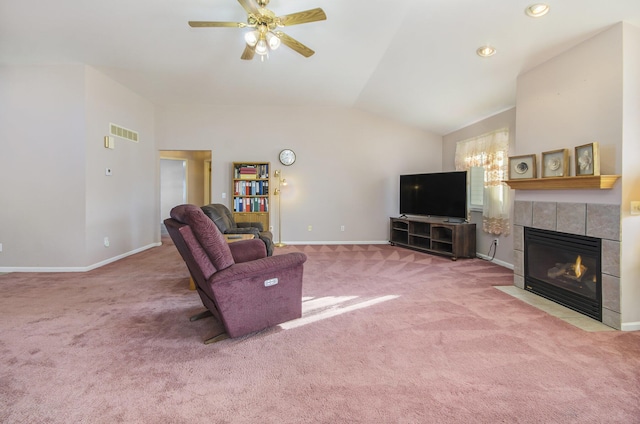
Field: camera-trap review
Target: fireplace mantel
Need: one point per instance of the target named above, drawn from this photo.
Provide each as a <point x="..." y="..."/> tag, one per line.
<point x="598" y="182"/>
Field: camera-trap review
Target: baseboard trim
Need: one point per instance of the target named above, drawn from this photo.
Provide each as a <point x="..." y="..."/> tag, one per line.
<point x="495" y="261"/>
<point x="292" y="243"/>
<point x="630" y="326"/>
<point x="79" y="269"/>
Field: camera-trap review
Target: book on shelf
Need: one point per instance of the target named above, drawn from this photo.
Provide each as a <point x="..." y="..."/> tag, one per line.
<point x="251" y="188"/>
<point x="260" y="171"/>
<point x="251" y="204"/>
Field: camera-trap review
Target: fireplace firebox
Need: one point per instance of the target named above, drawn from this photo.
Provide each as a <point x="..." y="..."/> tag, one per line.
<point x="565" y="268"/>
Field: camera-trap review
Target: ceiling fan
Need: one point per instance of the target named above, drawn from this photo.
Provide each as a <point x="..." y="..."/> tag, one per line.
<point x="266" y="35"/>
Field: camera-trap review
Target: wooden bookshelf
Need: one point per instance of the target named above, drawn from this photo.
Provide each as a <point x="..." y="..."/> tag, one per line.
<point x="588" y="182"/>
<point x="250" y="185"/>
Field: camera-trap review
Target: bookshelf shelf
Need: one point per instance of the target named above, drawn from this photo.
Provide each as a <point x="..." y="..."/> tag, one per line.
<point x="250" y="185"/>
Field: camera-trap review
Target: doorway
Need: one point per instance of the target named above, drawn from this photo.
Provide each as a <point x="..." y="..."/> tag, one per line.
<point x="185" y="177"/>
<point x="173" y="185"/>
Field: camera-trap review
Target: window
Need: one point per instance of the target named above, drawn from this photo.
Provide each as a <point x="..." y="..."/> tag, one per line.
<point x="486" y="159"/>
<point x="476" y="188"/>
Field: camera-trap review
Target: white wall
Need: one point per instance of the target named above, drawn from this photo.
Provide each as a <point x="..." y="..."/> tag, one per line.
<point x="42" y="165"/>
<point x="124" y="206"/>
<point x="571" y="100"/>
<point x="630" y="257"/>
<point x="346" y="173"/>
<point x="506" y="119"/>
<point x="57" y="203"/>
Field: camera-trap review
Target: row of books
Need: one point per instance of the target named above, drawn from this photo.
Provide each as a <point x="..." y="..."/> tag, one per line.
<point x="254" y="204"/>
<point x="251" y="188"/>
<point x="251" y="171"/>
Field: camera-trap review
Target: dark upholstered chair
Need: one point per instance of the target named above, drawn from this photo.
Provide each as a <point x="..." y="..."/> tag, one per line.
<point x="238" y="284"/>
<point x="222" y="217"/>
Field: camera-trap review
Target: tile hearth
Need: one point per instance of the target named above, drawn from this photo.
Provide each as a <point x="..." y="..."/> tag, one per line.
<point x="567" y="315"/>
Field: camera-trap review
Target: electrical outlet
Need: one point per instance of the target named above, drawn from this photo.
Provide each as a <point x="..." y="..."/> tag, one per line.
<point x="0" y="247"/>
<point x="635" y="207"/>
<point x="496" y="242"/>
<point x="309" y="228"/>
<point x="342" y="228"/>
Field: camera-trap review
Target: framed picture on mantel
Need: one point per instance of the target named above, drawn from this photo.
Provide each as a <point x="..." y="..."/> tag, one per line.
<point x="555" y="163"/>
<point x="521" y="167"/>
<point x="588" y="159"/>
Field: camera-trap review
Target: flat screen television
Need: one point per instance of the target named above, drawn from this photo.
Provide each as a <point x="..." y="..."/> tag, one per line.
<point x="441" y="194"/>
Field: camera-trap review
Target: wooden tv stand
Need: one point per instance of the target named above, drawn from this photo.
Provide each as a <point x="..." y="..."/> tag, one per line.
<point x="434" y="235"/>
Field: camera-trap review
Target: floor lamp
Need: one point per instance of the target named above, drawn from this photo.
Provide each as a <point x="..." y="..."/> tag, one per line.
<point x="277" y="192"/>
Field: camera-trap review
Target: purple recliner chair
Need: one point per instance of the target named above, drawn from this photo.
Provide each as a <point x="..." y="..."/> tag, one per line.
<point x="238" y="284"/>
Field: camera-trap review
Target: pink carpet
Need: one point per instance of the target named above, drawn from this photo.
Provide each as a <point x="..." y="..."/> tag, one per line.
<point x="388" y="335"/>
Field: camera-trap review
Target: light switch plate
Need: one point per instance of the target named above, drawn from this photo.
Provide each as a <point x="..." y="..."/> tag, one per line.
<point x="635" y="207"/>
<point x="108" y="172"/>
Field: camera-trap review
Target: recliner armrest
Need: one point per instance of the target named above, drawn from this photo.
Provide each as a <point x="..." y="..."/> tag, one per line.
<point x="248" y="250"/>
<point x="251" y="296"/>
<point x="246" y="230"/>
<point x="257" y="225"/>
<point x="261" y="268"/>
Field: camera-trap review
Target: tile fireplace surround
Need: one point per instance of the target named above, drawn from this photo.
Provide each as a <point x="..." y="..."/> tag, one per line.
<point x="586" y="219"/>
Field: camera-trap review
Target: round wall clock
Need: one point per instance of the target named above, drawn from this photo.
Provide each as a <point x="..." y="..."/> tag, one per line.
<point x="287" y="157"/>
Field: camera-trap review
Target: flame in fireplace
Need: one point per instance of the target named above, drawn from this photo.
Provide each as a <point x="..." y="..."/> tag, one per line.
<point x="578" y="268"/>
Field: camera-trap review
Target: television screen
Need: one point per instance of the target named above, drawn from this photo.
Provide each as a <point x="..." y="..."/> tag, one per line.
<point x="442" y="194"/>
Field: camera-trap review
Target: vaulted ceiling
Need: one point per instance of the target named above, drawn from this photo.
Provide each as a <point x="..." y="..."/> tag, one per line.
<point x="409" y="60"/>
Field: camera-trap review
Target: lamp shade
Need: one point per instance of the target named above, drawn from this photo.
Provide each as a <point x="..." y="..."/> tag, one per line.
<point x="273" y="40"/>
<point x="251" y="38"/>
<point x="261" y="47"/>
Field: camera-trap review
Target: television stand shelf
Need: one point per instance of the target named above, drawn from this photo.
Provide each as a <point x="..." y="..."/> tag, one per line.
<point x="433" y="235"/>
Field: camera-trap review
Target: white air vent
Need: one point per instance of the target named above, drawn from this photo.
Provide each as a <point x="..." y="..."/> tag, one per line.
<point x="118" y="131"/>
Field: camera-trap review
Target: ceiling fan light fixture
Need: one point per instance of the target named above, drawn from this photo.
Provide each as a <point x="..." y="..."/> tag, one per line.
<point x="264" y="23"/>
<point x="486" y="51"/>
<point x="251" y="38"/>
<point x="261" y="47"/>
<point x="273" y="40"/>
<point x="537" y="10"/>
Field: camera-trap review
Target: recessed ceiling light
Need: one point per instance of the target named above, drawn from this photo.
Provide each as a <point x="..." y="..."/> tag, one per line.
<point x="537" y="10"/>
<point x="486" y="51"/>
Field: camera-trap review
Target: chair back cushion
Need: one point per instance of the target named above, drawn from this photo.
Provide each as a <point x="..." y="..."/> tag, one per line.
<point x="195" y="257"/>
<point x="221" y="216"/>
<point x="207" y="234"/>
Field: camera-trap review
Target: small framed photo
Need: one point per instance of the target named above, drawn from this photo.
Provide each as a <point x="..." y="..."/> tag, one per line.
<point x="555" y="163"/>
<point x="588" y="159"/>
<point x="522" y="167"/>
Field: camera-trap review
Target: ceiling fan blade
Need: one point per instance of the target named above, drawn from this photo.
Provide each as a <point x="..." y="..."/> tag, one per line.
<point x="294" y="44"/>
<point x="307" y="16"/>
<point x="250" y="6"/>
<point x="248" y="53"/>
<point x="201" y="24"/>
